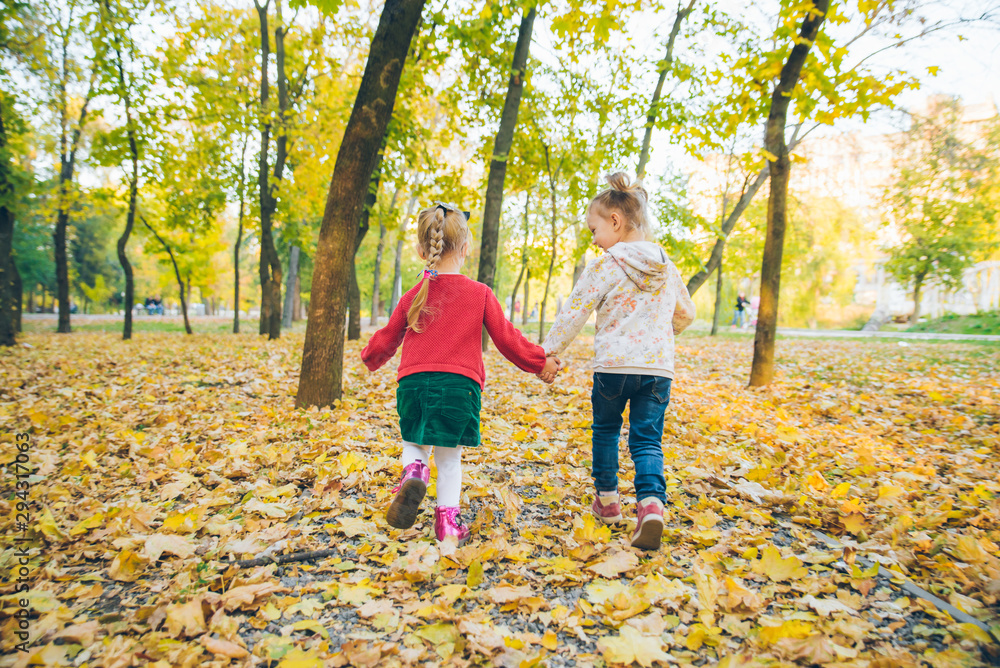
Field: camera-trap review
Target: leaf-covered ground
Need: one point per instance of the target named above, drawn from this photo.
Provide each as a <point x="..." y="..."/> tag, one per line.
<point x="159" y="462"/>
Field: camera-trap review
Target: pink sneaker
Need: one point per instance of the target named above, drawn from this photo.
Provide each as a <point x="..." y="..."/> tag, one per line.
<point x="409" y="493"/>
<point x="447" y="522"/>
<point x="607" y="507"/>
<point x="649" y="526"/>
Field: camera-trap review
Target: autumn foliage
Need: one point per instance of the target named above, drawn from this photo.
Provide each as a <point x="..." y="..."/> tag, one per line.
<point x="160" y="463"/>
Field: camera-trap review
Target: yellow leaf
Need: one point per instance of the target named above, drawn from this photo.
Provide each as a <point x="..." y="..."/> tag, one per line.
<point x="790" y="629"/>
<point x="90" y="459"/>
<point x="298" y="658"/>
<point x="451" y="593"/>
<point x="86" y="525"/>
<point x="889" y="492"/>
<point x="817" y="482"/>
<point x="475" y="576"/>
<point x="550" y="641"/>
<point x="223" y="648"/>
<point x="778" y="569"/>
<point x="186" y="618"/>
<point x="841" y="490"/>
<point x="587" y="529"/>
<point x="355" y="526"/>
<point x="126" y="567"/>
<point x="311" y="625"/>
<point x="632" y="647"/>
<point x="160" y="543"/>
<point x="47" y="525"/>
<point x="739" y="598"/>
<point x="615" y="564"/>
<point x="971" y="631"/>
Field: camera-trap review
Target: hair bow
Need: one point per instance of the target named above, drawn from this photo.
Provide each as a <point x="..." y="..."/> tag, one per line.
<point x="431" y="272"/>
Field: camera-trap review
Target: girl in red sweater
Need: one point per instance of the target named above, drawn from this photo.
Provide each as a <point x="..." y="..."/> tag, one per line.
<point x="439" y="321"/>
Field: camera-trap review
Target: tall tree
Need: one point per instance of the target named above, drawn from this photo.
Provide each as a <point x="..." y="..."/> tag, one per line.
<point x="270" y="263"/>
<point x="116" y="30"/>
<point x="72" y="120"/>
<point x="8" y="317"/>
<point x="501" y="148"/>
<point x="762" y="371"/>
<point x="939" y="202"/>
<point x="320" y="379"/>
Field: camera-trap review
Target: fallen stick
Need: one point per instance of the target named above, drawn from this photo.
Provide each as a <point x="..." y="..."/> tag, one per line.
<point x="287" y="558"/>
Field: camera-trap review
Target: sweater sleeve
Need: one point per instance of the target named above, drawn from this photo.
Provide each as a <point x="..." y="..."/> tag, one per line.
<point x="384" y="343"/>
<point x="684" y="310"/>
<point x="590" y="290"/>
<point x="524" y="354"/>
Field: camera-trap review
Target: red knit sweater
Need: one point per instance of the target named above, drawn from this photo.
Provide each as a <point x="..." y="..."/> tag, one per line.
<point x="457" y="307"/>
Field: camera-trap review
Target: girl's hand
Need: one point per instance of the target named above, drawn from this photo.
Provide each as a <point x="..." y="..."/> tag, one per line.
<point x="552" y="367"/>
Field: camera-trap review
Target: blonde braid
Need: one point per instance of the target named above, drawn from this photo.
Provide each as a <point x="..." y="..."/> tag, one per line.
<point x="434" y="254"/>
<point x="437" y="240"/>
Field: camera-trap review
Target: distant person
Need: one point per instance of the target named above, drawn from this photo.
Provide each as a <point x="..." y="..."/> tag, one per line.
<point x="740" y="311"/>
<point x="439" y="322"/>
<point x="641" y="303"/>
<point x="534" y="312"/>
<point x="517" y="306"/>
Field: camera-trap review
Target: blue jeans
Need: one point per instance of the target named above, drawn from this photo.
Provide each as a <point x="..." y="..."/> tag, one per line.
<point x="649" y="396"/>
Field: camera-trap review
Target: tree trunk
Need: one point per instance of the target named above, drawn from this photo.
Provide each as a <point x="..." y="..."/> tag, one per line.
<point x="397" y="276"/>
<point x="498" y="164"/>
<point x="31" y="299"/>
<point x="654" y="105"/>
<point x="270" y="263"/>
<point x="18" y="287"/>
<point x="762" y="371"/>
<point x="320" y="380"/>
<point x="918" y="286"/>
<point x="293" y="277"/>
<point x="553" y="183"/>
<point x="177" y="274"/>
<point x="717" y="315"/>
<point x="241" y="188"/>
<point x="297" y="302"/>
<point x="236" y="271"/>
<point x="353" y="290"/>
<point x="67" y="161"/>
<point x="8" y="324"/>
<point x="524" y="310"/>
<point x="376" y="278"/>
<point x="125" y="95"/>
<point x="524" y="256"/>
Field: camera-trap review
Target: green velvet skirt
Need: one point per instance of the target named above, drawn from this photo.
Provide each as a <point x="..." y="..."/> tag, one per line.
<point x="439" y="409"/>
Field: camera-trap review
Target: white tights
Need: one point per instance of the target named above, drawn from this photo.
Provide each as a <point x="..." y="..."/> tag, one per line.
<point x="449" y="469"/>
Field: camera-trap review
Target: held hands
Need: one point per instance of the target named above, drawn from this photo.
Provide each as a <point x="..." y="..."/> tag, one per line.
<point x="552" y="367"/>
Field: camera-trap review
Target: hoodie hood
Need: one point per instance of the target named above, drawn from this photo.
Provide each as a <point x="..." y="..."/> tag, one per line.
<point x="644" y="262"/>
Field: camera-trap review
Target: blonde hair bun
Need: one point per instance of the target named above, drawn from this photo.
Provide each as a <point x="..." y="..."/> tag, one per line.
<point x="628" y="198"/>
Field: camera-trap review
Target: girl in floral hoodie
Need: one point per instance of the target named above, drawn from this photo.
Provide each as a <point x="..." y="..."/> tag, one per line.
<point x="641" y="303"/>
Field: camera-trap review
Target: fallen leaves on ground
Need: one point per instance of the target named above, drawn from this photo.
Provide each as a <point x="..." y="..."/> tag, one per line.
<point x="157" y="463"/>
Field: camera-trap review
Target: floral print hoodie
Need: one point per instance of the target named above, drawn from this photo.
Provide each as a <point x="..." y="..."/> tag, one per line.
<point x="641" y="302"/>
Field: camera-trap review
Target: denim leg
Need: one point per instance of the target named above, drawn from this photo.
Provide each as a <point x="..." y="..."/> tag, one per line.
<point x="645" y="437"/>
<point x="609" y="403"/>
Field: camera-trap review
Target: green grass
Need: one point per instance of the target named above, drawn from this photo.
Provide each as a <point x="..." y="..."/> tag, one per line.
<point x="150" y="324"/>
<point x="982" y="323"/>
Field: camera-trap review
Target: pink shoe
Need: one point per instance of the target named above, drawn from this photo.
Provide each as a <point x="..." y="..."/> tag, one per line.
<point x="409" y="493"/>
<point x="607" y="507"/>
<point x="649" y="527"/>
<point x="448" y="523"/>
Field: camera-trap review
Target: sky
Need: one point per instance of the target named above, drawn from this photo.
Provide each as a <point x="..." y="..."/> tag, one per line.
<point x="967" y="58"/>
